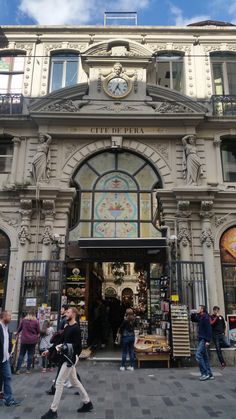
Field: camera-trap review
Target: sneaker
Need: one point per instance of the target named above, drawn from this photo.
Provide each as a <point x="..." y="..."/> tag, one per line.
<point x="67" y="384"/>
<point x="28" y="371"/>
<point x="12" y="403"/>
<point x="211" y="377"/>
<point x="122" y="368"/>
<point x="130" y="368"/>
<point x="204" y="377"/>
<point x="17" y="372"/>
<point x="87" y="407"/>
<point x="44" y="370"/>
<point x="49" y="415"/>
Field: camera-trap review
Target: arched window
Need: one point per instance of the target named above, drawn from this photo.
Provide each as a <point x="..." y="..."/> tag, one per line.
<point x="169" y="67"/>
<point x="224" y="73"/>
<point x="228" y="260"/>
<point x="116" y="195"/>
<point x="4" y="260"/>
<point x="11" y="72"/>
<point x="64" y="70"/>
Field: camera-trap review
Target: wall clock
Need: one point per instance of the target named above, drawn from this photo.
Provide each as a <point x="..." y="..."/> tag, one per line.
<point x="117" y="86"/>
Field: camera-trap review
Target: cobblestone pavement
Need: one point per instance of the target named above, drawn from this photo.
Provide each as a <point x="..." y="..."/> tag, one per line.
<point x="148" y="393"/>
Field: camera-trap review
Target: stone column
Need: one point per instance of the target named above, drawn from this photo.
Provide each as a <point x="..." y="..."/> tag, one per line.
<point x="48" y="210"/>
<point x="24" y="238"/>
<point x="16" y="141"/>
<point x="207" y="242"/>
<point x="184" y="235"/>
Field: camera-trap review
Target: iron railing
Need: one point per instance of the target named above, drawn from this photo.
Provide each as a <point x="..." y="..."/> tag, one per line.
<point x="11" y="104"/>
<point x="224" y="105"/>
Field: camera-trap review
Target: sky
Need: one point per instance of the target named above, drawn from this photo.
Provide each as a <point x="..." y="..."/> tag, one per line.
<point x="86" y="12"/>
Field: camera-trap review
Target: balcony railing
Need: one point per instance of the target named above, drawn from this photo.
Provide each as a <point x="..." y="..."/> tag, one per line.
<point x="224" y="105"/>
<point x="11" y="104"/>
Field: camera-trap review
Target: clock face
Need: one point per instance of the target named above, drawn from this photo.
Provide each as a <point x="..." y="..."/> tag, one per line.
<point x="117" y="87"/>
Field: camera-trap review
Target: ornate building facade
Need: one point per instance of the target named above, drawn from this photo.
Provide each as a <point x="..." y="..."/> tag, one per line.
<point x="117" y="134"/>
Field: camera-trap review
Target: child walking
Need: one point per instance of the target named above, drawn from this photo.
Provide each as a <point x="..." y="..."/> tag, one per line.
<point x="127" y="340"/>
<point x="44" y="344"/>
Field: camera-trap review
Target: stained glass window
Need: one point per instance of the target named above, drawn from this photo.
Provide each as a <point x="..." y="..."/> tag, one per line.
<point x="116" y="191"/>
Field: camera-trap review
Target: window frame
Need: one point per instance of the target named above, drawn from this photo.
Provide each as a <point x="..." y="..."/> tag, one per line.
<point x="7" y="143"/>
<point x="64" y="59"/>
<point x="11" y="73"/>
<point x="221" y="58"/>
<point x="171" y="58"/>
<point x="230" y="140"/>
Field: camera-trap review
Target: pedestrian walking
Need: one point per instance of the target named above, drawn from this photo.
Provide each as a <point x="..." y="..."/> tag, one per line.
<point x="46" y="335"/>
<point x="204" y="339"/>
<point x="218" y="334"/>
<point x="5" y="367"/>
<point x="63" y="319"/>
<point x="69" y="350"/>
<point x="127" y="335"/>
<point x="30" y="332"/>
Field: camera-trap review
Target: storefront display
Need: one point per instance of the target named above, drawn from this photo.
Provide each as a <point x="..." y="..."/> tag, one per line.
<point x="152" y="348"/>
<point x="74" y="291"/>
<point x="180" y="331"/>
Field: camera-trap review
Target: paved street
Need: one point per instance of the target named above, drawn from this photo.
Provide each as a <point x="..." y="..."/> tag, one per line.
<point x="143" y="394"/>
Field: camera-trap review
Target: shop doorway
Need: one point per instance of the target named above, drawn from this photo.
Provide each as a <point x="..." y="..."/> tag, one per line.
<point x="4" y="263"/>
<point x="228" y="263"/>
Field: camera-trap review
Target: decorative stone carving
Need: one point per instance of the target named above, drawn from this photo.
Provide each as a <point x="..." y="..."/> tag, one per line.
<point x="206" y="209"/>
<point x="217" y="142"/>
<point x="41" y="163"/>
<point x="65" y="106"/>
<point x="183" y="209"/>
<point x="13" y="222"/>
<point x="192" y="166"/>
<point x="184" y="236"/>
<point x="207" y="237"/>
<point x="163" y="148"/>
<point x="24" y="234"/>
<point x="48" y="208"/>
<point x="168" y="107"/>
<point x="47" y="235"/>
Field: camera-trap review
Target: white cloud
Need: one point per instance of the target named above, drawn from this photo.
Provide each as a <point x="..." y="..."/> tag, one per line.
<point x="181" y="20"/>
<point x="61" y="12"/>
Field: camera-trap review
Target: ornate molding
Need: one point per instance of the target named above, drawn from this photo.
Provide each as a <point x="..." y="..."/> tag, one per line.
<point x="163" y="148"/>
<point x="184" y="236"/>
<point x="168" y="107"/>
<point x="47" y="235"/>
<point x="26" y="208"/>
<point x="207" y="237"/>
<point x="183" y="209"/>
<point x="206" y="209"/>
<point x="65" y="106"/>
<point x="48" y="208"/>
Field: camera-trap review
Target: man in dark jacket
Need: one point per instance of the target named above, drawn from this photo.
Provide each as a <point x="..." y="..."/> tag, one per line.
<point x="218" y="333"/>
<point x="63" y="319"/>
<point x="70" y="349"/>
<point x="204" y="338"/>
<point x="5" y="367"/>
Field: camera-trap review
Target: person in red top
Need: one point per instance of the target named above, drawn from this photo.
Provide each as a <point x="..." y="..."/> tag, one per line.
<point x="218" y="333"/>
<point x="30" y="332"/>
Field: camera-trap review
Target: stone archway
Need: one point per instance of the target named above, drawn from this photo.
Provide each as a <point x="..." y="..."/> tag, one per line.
<point x="155" y="158"/>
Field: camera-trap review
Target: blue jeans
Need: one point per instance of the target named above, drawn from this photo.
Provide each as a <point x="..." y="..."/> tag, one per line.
<point x="127" y="346"/>
<point x="6" y="375"/>
<point x="202" y="358"/>
<point x="29" y="348"/>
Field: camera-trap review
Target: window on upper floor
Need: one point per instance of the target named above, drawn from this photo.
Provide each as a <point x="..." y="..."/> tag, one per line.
<point x="169" y="67"/>
<point x="228" y="157"/>
<point x="11" y="73"/>
<point x="6" y="155"/>
<point x="224" y="73"/>
<point x="64" y="70"/>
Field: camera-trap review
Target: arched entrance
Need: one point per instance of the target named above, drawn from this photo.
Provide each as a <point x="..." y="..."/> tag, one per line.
<point x="4" y="262"/>
<point x="228" y="263"/>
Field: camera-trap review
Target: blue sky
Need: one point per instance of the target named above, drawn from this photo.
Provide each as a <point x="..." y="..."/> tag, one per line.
<point x="150" y="12"/>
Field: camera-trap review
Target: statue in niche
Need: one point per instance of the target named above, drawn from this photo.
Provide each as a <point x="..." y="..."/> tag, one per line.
<point x="192" y="166"/>
<point x="41" y="161"/>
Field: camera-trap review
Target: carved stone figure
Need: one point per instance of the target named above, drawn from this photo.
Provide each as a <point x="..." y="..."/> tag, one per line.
<point x="192" y="166"/>
<point x="41" y="161"/>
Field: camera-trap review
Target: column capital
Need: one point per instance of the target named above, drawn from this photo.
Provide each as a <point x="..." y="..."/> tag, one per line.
<point x="217" y="142"/>
<point x="183" y="209"/>
<point x="48" y="208"/>
<point x="206" y="209"/>
<point x="16" y="141"/>
<point x="26" y="207"/>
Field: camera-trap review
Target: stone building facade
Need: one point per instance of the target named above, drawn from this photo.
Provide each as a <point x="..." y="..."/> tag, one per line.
<point x="158" y="98"/>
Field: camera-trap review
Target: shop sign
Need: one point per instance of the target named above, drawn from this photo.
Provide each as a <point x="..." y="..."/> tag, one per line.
<point x="31" y="302"/>
<point x="175" y="298"/>
<point x="231" y="319"/>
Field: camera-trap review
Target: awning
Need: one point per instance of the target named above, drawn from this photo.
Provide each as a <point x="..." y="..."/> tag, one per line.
<point x="138" y="243"/>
